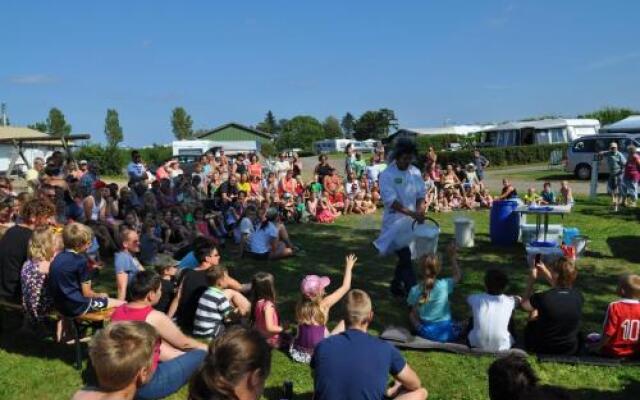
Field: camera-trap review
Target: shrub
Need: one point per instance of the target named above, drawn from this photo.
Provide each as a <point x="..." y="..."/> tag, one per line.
<point x="155" y="155"/>
<point x="500" y="156"/>
<point x="108" y="160"/>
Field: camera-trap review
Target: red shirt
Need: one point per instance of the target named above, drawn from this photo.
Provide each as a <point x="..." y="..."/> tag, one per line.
<point x="622" y="324"/>
<point x="126" y="313"/>
<point x="255" y="169"/>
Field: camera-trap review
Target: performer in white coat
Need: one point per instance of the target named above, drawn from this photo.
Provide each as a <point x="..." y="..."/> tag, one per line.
<point x="403" y="193"/>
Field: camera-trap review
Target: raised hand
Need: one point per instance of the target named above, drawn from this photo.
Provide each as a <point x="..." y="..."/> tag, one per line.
<point x="350" y="261"/>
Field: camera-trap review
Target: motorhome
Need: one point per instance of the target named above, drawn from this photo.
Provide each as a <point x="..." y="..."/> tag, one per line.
<point x="190" y="150"/>
<point x="340" y="145"/>
<point x="544" y="131"/>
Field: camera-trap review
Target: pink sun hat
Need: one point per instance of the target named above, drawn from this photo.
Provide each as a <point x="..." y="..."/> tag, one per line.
<point x="312" y="285"/>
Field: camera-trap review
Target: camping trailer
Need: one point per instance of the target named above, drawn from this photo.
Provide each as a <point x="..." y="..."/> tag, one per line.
<point x="196" y="148"/>
<point x="544" y="131"/>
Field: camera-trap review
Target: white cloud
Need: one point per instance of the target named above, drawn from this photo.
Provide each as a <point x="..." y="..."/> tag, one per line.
<point x="612" y="61"/>
<point x="32" y="79"/>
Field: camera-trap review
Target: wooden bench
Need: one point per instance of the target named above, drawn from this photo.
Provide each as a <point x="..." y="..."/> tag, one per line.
<point x="94" y="320"/>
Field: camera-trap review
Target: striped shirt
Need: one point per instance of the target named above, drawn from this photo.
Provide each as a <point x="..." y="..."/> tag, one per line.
<point x="213" y="307"/>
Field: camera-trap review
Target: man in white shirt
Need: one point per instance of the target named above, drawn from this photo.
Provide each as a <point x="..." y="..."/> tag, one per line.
<point x="136" y="169"/>
<point x="492" y="314"/>
<point x="403" y="192"/>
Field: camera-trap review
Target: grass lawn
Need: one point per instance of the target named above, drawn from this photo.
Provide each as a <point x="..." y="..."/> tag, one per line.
<point x="41" y="370"/>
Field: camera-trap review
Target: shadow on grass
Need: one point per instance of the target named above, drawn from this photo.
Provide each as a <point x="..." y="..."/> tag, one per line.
<point x="276" y="393"/>
<point x="625" y="247"/>
<point x="631" y="390"/>
<point x="624" y="214"/>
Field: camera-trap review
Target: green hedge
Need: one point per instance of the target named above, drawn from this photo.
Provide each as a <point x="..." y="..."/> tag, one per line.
<point x="439" y="141"/>
<point x="501" y="156"/>
<point x="112" y="161"/>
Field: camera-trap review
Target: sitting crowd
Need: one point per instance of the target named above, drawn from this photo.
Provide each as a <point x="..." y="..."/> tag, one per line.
<point x="164" y="233"/>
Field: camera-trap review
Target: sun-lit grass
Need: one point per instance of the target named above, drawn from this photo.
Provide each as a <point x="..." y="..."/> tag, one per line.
<point x="41" y="370"/>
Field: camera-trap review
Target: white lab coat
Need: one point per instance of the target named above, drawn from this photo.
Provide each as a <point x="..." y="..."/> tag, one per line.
<point x="406" y="187"/>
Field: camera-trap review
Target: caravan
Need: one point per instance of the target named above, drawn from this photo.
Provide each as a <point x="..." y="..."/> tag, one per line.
<point x="544" y="131"/>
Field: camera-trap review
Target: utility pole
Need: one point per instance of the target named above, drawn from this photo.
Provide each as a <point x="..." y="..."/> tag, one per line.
<point x="3" y="111"/>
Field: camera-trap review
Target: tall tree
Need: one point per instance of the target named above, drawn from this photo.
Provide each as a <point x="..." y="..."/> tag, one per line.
<point x="56" y="124"/>
<point x="609" y="115"/>
<point x="347" y="123"/>
<point x="300" y="132"/>
<point x="39" y="126"/>
<point x="332" y="128"/>
<point x="112" y="128"/>
<point x="375" y="124"/>
<point x="181" y="123"/>
<point x="269" y="125"/>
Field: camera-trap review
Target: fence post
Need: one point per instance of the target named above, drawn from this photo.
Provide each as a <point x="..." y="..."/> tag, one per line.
<point x="595" y="166"/>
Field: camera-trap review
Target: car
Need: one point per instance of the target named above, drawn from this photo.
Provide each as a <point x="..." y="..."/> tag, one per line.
<point x="582" y="151"/>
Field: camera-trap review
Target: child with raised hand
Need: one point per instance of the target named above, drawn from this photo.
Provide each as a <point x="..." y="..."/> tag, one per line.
<point x="621" y="332"/>
<point x="312" y="311"/>
<point x="264" y="314"/>
<point x="429" y="300"/>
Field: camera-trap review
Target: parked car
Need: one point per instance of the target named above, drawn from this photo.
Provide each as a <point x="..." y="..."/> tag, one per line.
<point x="582" y="151"/>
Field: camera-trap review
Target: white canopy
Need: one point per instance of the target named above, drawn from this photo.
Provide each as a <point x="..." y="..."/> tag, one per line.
<point x="628" y="125"/>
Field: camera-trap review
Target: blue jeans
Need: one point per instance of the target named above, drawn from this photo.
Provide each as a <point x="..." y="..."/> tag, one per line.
<point x="404" y="278"/>
<point x="171" y="375"/>
<point x="630" y="188"/>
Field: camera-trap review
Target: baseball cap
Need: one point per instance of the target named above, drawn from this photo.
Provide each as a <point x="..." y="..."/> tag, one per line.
<point x="99" y="185"/>
<point x="164" y="260"/>
<point x="83" y="162"/>
<point x="312" y="285"/>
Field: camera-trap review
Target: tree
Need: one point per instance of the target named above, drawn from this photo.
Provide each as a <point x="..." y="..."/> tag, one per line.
<point x="112" y="128"/>
<point x="332" y="128"/>
<point x="56" y="124"/>
<point x="39" y="126"/>
<point x="181" y="123"/>
<point x="609" y="115"/>
<point x="269" y="125"/>
<point x="375" y="124"/>
<point x="300" y="132"/>
<point x="347" y="125"/>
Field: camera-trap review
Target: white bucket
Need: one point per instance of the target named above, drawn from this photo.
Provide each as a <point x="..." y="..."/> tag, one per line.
<point x="425" y="239"/>
<point x="465" y="232"/>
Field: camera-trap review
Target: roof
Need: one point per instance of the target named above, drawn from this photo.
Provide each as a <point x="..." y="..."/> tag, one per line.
<point x="32" y="136"/>
<point x="237" y="125"/>
<point x="544" y="124"/>
<point x="447" y="130"/>
<point x="630" y="124"/>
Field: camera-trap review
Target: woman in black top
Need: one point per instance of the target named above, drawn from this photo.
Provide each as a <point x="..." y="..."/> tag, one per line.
<point x="555" y="314"/>
<point x="322" y="169"/>
<point x="14" y="244"/>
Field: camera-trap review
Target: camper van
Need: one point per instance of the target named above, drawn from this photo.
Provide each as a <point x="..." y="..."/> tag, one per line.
<point x="190" y="150"/>
<point x="340" y="145"/>
<point x="544" y="131"/>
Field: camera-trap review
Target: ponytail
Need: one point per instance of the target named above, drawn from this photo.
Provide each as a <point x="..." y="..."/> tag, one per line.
<point x="430" y="270"/>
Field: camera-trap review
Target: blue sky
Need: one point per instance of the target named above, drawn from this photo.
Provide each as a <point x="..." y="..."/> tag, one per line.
<point x="465" y="61"/>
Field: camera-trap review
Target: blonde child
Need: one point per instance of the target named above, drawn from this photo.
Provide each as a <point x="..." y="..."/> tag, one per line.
<point x="325" y="212"/>
<point x="621" y="324"/>
<point x="264" y="314"/>
<point x="532" y="197"/>
<point x="312" y="311"/>
<point x="486" y="200"/>
<point x="356" y="205"/>
<point x="44" y="245"/>
<point x="443" y="203"/>
<point x="429" y="300"/>
<point x="566" y="194"/>
<point x="368" y="204"/>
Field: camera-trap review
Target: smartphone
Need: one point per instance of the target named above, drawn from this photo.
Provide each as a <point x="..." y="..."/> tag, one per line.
<point x="537" y="259"/>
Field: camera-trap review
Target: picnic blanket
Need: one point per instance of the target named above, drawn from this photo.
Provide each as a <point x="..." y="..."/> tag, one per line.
<point x="402" y="338"/>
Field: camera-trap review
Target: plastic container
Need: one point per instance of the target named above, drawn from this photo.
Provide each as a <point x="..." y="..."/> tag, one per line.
<point x="569" y="233"/>
<point x="528" y="233"/>
<point x="425" y="238"/>
<point x="549" y="255"/>
<point x="504" y="226"/>
<point x="465" y="232"/>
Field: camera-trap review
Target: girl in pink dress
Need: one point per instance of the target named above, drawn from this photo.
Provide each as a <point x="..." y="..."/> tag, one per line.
<point x="325" y="213"/>
<point x="264" y="314"/>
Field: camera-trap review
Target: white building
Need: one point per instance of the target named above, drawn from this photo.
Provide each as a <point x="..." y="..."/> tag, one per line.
<point x="31" y="150"/>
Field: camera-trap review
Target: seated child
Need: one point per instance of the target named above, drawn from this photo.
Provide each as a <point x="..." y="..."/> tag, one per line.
<point x="368" y="205"/>
<point x="566" y="194"/>
<point x="442" y="204"/>
<point x="485" y="198"/>
<point x="150" y="242"/>
<point x="429" y="300"/>
<point x="69" y="282"/>
<point x="325" y="212"/>
<point x="312" y="205"/>
<point x="167" y="268"/>
<point x="492" y="314"/>
<point x="124" y="357"/>
<point x="532" y="197"/>
<point x="356" y="203"/>
<point x="622" y="322"/>
<point x="214" y="306"/>
<point x="548" y="197"/>
<point x="264" y="314"/>
<point x="312" y="311"/>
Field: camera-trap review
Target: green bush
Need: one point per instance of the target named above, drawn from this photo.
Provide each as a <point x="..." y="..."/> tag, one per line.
<point x="108" y="160"/>
<point x="438" y="142"/>
<point x="501" y="156"/>
<point x="155" y="155"/>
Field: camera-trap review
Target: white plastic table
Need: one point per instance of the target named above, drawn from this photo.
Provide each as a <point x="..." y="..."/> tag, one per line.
<point x="542" y="215"/>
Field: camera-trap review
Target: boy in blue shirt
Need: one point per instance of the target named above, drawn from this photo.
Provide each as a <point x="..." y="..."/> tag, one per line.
<point x="69" y="280"/>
